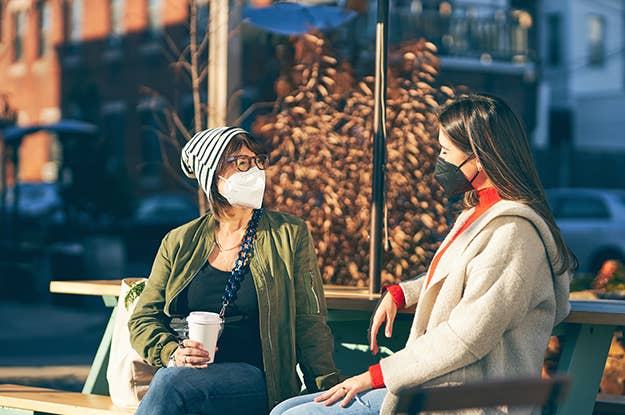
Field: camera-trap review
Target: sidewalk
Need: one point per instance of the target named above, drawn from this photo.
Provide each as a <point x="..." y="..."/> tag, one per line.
<point x="48" y="345"/>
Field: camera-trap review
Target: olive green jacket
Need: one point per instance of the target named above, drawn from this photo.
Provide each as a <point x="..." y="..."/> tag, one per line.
<point x="291" y="303"/>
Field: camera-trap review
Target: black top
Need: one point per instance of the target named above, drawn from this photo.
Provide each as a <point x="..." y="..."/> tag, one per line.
<point x="240" y="339"/>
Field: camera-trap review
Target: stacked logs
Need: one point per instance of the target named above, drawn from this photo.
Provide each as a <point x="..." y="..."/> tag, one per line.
<point x="321" y="155"/>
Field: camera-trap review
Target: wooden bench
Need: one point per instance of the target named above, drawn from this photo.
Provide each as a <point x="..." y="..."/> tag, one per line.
<point x="587" y="334"/>
<point x="23" y="400"/>
<point x="540" y="393"/>
<point x="609" y="404"/>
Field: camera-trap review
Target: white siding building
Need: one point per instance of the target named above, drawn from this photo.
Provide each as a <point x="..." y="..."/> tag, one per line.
<point x="582" y="45"/>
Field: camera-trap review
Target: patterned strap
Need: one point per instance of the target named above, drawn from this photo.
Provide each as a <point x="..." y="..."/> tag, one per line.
<point x="242" y="262"/>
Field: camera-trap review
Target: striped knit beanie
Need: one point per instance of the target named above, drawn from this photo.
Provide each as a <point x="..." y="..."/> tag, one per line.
<point x="202" y="153"/>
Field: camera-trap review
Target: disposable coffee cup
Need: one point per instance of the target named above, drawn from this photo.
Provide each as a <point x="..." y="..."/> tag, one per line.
<point x="205" y="327"/>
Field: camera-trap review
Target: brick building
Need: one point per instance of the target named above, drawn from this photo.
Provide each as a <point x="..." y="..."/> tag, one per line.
<point x="94" y="60"/>
<point x="90" y="60"/>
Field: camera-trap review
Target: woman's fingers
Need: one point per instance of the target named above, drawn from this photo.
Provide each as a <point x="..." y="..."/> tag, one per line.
<point x="196" y="355"/>
<point x="338" y="394"/>
<point x="378" y="319"/>
<point x="192" y="344"/>
<point x="348" y="397"/>
<point x="326" y="394"/>
<point x="390" y="319"/>
<point x="192" y="354"/>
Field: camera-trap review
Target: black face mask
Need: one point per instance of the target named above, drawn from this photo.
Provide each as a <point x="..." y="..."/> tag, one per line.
<point x="451" y="178"/>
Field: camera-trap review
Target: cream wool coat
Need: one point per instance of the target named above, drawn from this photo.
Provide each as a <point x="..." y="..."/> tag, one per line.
<point x="489" y="309"/>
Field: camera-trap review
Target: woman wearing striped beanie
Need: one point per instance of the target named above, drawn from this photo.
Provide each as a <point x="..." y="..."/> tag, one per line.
<point x="258" y="269"/>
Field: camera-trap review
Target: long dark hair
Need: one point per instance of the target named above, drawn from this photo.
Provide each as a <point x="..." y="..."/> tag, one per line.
<point x="486" y="127"/>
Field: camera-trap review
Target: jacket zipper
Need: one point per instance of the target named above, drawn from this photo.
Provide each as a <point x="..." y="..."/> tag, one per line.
<point x="269" y="370"/>
<point x="312" y="288"/>
<point x="268" y="317"/>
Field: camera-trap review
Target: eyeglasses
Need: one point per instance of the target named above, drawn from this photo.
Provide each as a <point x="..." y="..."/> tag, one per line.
<point x="244" y="163"/>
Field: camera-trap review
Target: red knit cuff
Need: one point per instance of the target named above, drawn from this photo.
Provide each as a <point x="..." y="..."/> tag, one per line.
<point x="398" y="295"/>
<point x="377" y="378"/>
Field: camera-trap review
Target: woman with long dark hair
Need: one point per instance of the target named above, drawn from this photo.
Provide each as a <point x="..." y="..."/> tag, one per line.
<point x="495" y="288"/>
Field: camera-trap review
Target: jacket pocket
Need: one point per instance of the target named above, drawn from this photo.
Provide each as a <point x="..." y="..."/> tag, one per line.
<point x="314" y="294"/>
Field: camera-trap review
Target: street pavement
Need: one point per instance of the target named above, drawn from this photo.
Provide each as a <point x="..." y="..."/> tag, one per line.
<point x="47" y="344"/>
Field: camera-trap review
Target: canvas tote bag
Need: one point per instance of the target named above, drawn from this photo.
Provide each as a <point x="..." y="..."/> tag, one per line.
<point x="128" y="375"/>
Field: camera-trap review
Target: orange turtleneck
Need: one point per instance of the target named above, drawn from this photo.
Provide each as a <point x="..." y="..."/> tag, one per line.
<point x="487" y="198"/>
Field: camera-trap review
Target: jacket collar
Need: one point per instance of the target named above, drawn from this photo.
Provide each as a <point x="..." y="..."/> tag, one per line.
<point x="502" y="208"/>
<point x="206" y="238"/>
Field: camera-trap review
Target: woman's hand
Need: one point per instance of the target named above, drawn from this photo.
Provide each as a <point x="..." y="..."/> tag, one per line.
<point x="191" y="354"/>
<point x="386" y="311"/>
<point x="347" y="390"/>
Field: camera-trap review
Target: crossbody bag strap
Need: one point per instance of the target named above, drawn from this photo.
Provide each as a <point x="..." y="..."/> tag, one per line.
<point x="241" y="263"/>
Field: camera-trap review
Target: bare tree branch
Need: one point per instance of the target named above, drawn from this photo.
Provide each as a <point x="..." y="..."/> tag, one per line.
<point x="185" y="65"/>
<point x="180" y="126"/>
<point x="251" y="109"/>
<point x="203" y="75"/>
<point x="172" y="45"/>
<point x="204" y="43"/>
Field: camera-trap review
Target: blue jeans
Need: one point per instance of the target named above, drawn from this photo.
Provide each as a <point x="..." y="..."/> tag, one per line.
<point x="222" y="388"/>
<point x="368" y="403"/>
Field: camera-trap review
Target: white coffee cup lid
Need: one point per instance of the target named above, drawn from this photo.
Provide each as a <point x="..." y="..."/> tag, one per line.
<point x="203" y="317"/>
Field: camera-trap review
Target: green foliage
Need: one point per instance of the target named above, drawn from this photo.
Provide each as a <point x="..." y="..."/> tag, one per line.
<point x="582" y="282"/>
<point x="611" y="278"/>
<point x="135" y="291"/>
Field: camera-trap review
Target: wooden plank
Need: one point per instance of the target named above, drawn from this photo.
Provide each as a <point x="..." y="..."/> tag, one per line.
<point x="513" y="393"/>
<point x="57" y="402"/>
<point x="88" y="287"/>
<point x="609" y="404"/>
<point x="604" y="312"/>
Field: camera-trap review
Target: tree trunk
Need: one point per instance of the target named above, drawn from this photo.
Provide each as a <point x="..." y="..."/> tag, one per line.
<point x="195" y="86"/>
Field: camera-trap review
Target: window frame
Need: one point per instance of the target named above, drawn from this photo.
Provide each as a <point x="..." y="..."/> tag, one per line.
<point x="20" y="28"/>
<point x="44" y="26"/>
<point x="596" y="47"/>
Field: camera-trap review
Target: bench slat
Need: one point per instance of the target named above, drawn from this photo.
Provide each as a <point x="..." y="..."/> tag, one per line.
<point x="610" y="404"/>
<point x="57" y="402"/>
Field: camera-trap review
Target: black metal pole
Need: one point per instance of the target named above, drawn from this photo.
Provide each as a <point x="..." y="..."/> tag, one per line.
<point x="14" y="222"/>
<point x="379" y="147"/>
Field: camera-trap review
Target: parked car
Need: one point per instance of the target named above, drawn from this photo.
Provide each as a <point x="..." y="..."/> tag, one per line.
<point x="165" y="209"/>
<point x="592" y="222"/>
<point x="153" y="217"/>
<point x="37" y="203"/>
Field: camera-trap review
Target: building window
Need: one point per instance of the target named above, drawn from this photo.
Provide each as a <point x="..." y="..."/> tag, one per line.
<point x="73" y="21"/>
<point x="19" y="22"/>
<point x="554" y="39"/>
<point x="1" y="21"/>
<point x="150" y="116"/>
<point x="117" y="19"/>
<point x="202" y="19"/>
<point x="44" y="15"/>
<point x="155" y="23"/>
<point x="114" y="133"/>
<point x="596" y="40"/>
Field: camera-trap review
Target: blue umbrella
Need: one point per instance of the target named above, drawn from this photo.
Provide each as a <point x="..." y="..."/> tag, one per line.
<point x="15" y="133"/>
<point x="296" y="19"/>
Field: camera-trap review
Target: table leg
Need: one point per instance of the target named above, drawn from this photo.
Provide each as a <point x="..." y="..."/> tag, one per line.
<point x="583" y="357"/>
<point x="96" y="380"/>
<point x="351" y="344"/>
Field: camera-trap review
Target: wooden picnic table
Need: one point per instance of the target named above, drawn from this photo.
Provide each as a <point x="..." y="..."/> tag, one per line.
<point x="587" y="334"/>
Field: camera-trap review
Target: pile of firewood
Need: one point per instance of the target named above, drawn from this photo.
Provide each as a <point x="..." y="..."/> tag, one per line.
<point x="321" y="154"/>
